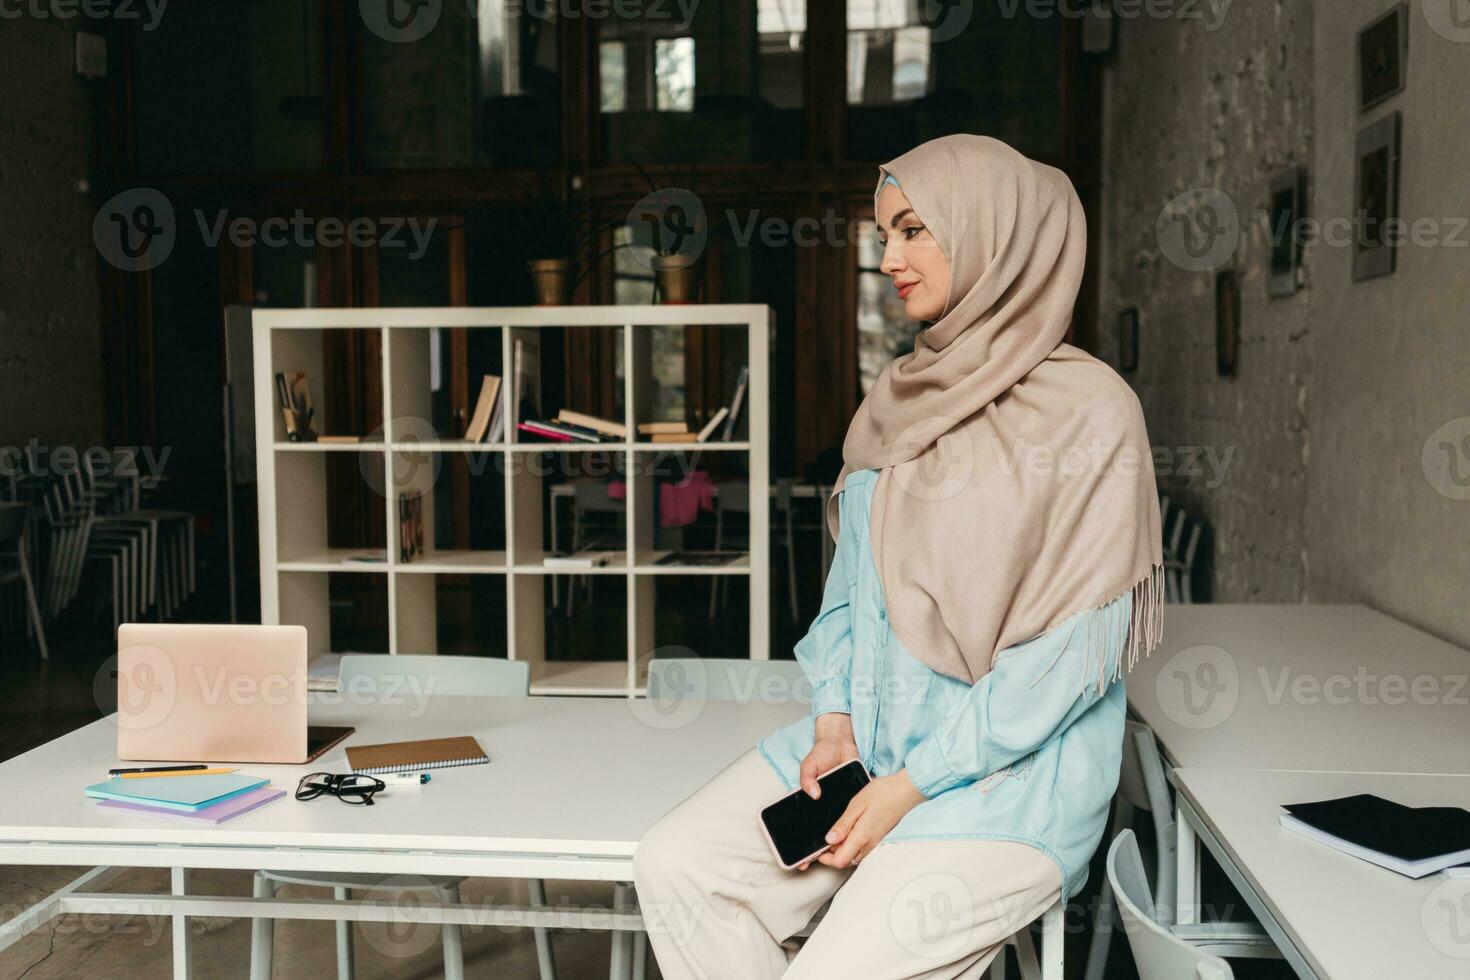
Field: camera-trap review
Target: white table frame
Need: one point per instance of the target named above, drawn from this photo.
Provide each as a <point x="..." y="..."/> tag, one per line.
<point x="1193" y="832"/>
<point x="1352" y="635"/>
<point x="182" y="848"/>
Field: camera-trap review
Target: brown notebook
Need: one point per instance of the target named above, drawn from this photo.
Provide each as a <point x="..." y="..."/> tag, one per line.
<point x="430" y="753"/>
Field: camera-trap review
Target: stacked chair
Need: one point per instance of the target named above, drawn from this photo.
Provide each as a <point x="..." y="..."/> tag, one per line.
<point x="90" y="522"/>
<point x="1182" y="533"/>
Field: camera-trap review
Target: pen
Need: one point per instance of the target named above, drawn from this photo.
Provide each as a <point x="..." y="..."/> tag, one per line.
<point x="405" y="780"/>
<point x="124" y="772"/>
<point x="182" y="772"/>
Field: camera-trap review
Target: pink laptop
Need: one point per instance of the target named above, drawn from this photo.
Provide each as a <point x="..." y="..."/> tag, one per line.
<point x="215" y="693"/>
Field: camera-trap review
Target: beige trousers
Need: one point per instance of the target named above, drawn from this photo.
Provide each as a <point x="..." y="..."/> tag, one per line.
<point x="717" y="904"/>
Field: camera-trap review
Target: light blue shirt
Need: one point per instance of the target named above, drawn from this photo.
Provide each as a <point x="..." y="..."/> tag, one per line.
<point x="1029" y="753"/>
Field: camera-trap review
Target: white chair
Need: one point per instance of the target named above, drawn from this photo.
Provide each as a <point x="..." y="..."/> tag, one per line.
<point x="1143" y="785"/>
<point x="1157" y="952"/>
<point x="595" y="515"/>
<point x="361" y="675"/>
<point x="1179" y="570"/>
<point x="734" y="498"/>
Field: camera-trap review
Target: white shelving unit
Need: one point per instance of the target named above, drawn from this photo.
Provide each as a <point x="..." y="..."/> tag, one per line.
<point x="295" y="561"/>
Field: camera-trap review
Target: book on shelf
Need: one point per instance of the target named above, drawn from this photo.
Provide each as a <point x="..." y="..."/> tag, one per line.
<point x="410" y="526"/>
<point x="562" y="431"/>
<point x="487" y="407"/>
<point x="683" y="435"/>
<point x="339" y="440"/>
<point x="532" y="429"/>
<point x="712" y="424"/>
<point x="737" y="402"/>
<point x="663" y="428"/>
<point x="592" y="556"/>
<point x="605" y="426"/>
<point x="699" y="557"/>
<point x="323" y="672"/>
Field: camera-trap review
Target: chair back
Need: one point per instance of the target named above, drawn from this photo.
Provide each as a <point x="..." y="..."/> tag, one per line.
<point x="12" y="524"/>
<point x="732" y="679"/>
<point x="1131" y="784"/>
<point x="438" y="676"/>
<point x="590" y="495"/>
<point x="1158" y="954"/>
<point x="734" y="496"/>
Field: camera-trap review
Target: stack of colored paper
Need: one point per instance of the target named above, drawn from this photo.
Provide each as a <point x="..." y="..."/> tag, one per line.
<point x="207" y="799"/>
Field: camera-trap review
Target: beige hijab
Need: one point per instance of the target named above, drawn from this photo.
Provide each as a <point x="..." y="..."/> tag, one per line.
<point x="1016" y="485"/>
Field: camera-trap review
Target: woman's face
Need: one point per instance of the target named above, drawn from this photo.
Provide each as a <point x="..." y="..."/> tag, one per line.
<point x="911" y="257"/>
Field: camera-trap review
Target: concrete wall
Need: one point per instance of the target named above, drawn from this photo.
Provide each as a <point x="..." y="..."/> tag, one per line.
<point x="51" y="384"/>
<point x="1392" y="355"/>
<point x="1341" y="386"/>
<point x="1188" y="108"/>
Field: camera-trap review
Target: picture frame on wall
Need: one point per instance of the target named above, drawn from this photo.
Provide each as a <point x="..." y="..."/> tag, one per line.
<point x="1376" y="198"/>
<point x="1227" y="323"/>
<point x="1383" y="57"/>
<point x="1128" y="340"/>
<point x="1286" y="211"/>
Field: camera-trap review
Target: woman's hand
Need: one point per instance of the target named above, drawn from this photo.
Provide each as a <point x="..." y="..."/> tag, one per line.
<point x="832" y="746"/>
<point x="873" y="812"/>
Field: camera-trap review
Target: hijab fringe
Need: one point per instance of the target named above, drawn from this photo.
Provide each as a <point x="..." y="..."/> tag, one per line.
<point x="1145" y="628"/>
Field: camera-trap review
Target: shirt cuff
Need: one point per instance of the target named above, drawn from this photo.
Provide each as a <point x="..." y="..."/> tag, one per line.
<point x="831" y="694"/>
<point x="929" y="770"/>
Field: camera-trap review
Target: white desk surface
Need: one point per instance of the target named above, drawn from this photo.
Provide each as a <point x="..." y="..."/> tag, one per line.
<point x="1349" y="919"/>
<point x="575" y="777"/>
<point x="1328" y="688"/>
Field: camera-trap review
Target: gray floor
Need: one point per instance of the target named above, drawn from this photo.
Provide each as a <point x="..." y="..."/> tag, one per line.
<point x="120" y="948"/>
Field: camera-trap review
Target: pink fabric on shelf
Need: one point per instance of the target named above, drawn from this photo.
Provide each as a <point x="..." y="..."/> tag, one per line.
<point x="680" y="503"/>
<point x="617" y="490"/>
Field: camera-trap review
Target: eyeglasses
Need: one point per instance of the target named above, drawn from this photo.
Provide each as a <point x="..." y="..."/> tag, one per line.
<point x="350" y="788"/>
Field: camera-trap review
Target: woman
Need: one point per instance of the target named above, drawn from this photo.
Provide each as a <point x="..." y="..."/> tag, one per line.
<point x="997" y="566"/>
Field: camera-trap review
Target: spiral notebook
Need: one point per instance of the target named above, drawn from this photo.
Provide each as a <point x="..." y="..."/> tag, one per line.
<point x="429" y="753"/>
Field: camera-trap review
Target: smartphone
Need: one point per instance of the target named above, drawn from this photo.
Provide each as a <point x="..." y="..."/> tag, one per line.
<point x="796" y="825"/>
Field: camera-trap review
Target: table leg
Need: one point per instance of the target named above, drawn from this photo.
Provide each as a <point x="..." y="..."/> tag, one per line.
<point x="179" y="885"/>
<point x="48" y="908"/>
<point x="1186" y="894"/>
<point x="619" y="966"/>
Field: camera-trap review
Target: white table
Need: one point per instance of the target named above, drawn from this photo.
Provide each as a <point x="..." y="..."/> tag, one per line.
<point x="572" y="786"/>
<point x="1278" y="687"/>
<point x="1333" y="916"/>
<point x="1344" y="689"/>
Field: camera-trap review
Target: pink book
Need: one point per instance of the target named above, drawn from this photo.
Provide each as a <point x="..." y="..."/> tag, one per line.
<point x="216" y="814"/>
<point x="547" y="433"/>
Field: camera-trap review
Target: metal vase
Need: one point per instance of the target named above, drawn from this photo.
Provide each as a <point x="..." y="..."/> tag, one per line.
<point x="551" y="281"/>
<point x="677" y="277"/>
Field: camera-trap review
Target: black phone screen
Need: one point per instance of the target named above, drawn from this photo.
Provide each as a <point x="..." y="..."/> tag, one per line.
<point x="798" y="824"/>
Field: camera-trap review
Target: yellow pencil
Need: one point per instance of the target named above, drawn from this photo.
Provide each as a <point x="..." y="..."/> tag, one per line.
<point x="180" y="772"/>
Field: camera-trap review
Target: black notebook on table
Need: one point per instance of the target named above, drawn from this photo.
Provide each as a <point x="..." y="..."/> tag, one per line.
<point x="1414" y="841"/>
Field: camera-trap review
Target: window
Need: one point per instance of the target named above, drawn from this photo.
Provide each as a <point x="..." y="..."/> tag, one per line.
<point x="228" y="88"/>
<point x="968" y="69"/>
<point x="720" y="82"/>
<point x="480" y="88"/>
